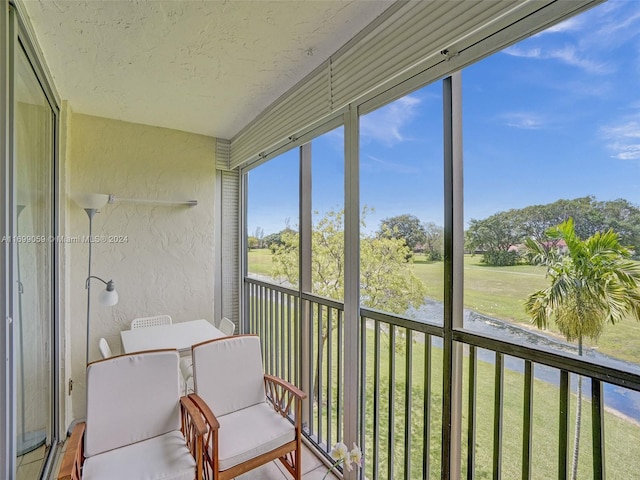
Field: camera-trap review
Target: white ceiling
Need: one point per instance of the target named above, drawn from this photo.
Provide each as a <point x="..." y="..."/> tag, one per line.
<point x="205" y="66"/>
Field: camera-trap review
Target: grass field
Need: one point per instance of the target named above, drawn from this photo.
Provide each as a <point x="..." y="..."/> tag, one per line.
<point x="620" y="462"/>
<point x="499" y="292"/>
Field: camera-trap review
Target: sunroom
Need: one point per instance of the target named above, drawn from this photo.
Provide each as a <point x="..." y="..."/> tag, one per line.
<point x="260" y="159"/>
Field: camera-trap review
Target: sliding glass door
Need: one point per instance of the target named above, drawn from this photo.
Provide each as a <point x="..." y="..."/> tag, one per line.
<point x="33" y="332"/>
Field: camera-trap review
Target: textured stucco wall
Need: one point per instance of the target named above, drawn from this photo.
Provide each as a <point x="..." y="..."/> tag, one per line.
<point x="163" y="262"/>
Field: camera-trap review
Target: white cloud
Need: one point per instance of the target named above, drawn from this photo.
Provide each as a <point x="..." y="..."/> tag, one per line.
<point x="386" y="124"/>
<point x="525" y="121"/>
<point x="624" y="24"/>
<point x="570" y="25"/>
<point x="586" y="41"/>
<point x="525" y="53"/>
<point x="376" y="164"/>
<point x="626" y="152"/>
<point x="630" y="129"/>
<point x="624" y="139"/>
<point x="574" y="24"/>
<point x="604" y="28"/>
<point x="568" y="54"/>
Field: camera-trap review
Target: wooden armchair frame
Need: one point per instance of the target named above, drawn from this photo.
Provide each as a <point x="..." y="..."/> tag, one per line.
<point x="286" y="399"/>
<point x="192" y="427"/>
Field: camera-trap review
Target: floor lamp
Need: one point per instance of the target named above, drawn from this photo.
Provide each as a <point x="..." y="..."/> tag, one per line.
<point x="91" y="202"/>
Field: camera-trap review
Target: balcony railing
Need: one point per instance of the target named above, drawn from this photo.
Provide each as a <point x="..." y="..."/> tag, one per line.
<point x="513" y="416"/>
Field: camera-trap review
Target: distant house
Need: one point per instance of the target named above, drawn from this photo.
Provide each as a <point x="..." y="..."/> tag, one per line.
<point x="518" y="248"/>
<point x="560" y="245"/>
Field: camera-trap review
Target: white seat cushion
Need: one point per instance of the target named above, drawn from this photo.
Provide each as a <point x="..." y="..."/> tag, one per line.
<point x="188" y="386"/>
<point x="186" y="367"/>
<point x="130" y="399"/>
<point x="186" y="372"/>
<point x="228" y="374"/>
<point x="250" y="432"/>
<point x="160" y="458"/>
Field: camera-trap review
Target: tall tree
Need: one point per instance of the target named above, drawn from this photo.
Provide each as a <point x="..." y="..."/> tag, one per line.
<point x="434" y="241"/>
<point x="387" y="281"/>
<point x="537" y="219"/>
<point x="594" y="283"/>
<point x="495" y="235"/>
<point x="252" y="242"/>
<point x="259" y="234"/>
<point x="624" y="218"/>
<point x="406" y="227"/>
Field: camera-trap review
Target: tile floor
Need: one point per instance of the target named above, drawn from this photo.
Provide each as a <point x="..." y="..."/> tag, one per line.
<point x="312" y="469"/>
<point x="29" y="465"/>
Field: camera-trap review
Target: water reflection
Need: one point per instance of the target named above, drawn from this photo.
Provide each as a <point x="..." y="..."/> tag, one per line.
<point x="624" y="401"/>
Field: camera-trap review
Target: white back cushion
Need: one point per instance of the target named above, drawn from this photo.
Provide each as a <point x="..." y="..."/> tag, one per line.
<point x="227" y="373"/>
<point x="131" y="398"/>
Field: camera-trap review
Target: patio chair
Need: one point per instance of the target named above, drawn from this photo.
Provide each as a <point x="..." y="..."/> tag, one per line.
<point x="137" y="426"/>
<point x="105" y="349"/>
<point x="226" y="326"/>
<point x="252" y="418"/>
<point x="186" y="369"/>
<point x="151" y="321"/>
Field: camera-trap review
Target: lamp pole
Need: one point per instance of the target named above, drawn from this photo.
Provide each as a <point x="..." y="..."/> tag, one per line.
<point x="90" y="213"/>
<point x="90" y="203"/>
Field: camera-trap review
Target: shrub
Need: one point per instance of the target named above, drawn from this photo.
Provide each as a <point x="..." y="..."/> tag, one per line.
<point x="501" y="258"/>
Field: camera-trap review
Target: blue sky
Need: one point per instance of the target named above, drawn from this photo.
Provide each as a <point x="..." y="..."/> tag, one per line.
<point x="554" y="116"/>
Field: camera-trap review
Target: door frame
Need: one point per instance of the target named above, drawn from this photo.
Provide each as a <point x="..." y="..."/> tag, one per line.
<point x="20" y="35"/>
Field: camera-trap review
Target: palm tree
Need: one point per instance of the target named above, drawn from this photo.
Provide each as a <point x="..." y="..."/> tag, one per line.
<point x="592" y="284"/>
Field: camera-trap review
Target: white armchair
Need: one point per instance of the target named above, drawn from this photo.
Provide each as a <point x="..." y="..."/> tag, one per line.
<point x="227" y="327"/>
<point x="252" y="418"/>
<point x="105" y="349"/>
<point x="137" y="425"/>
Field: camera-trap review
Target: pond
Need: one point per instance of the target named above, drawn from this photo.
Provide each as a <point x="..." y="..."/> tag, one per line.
<point x="622" y="400"/>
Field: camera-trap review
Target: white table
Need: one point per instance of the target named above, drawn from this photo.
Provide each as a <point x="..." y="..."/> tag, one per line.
<point x="176" y="335"/>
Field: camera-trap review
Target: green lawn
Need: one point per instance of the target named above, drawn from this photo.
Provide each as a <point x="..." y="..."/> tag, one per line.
<point x="621" y="463"/>
<point x="499" y="292"/>
<point x="260" y="261"/>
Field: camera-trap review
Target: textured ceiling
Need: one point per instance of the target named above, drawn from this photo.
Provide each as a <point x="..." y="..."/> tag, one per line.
<point x="206" y="67"/>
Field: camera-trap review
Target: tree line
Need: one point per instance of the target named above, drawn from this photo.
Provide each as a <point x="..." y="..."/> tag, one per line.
<point x="500" y="238"/>
<point x="418" y="237"/>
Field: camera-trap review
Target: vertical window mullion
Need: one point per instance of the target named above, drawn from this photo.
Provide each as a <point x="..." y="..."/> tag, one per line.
<point x="453" y="272"/>
<point x="304" y="265"/>
<point x="351" y="277"/>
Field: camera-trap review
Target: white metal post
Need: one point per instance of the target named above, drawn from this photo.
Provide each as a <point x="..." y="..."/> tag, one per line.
<point x="351" y="279"/>
<point x="304" y="266"/>
<point x="217" y="253"/>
